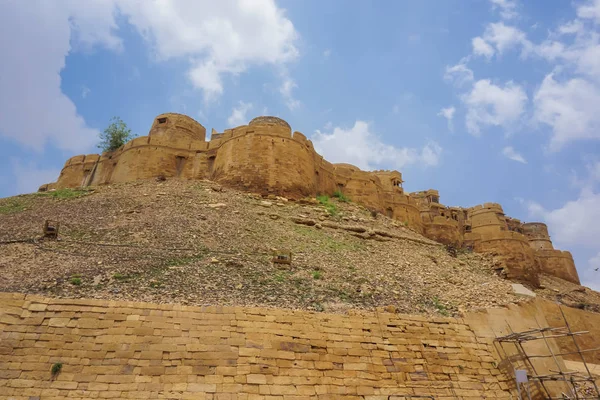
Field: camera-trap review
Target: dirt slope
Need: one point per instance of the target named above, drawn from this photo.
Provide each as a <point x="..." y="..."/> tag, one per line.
<point x="198" y="243"/>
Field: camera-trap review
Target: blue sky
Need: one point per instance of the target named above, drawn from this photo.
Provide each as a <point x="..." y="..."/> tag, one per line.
<point x="484" y="100"/>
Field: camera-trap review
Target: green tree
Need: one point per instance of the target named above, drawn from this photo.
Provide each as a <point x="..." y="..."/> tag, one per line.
<point x="115" y="136"/>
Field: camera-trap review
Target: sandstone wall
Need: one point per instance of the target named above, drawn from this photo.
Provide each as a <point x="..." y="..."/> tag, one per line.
<point x="139" y="350"/>
<point x="558" y="263"/>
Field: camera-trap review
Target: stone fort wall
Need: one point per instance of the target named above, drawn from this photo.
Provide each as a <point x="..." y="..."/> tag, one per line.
<point x="141" y="350"/>
<point x="266" y="157"/>
<point x="117" y="349"/>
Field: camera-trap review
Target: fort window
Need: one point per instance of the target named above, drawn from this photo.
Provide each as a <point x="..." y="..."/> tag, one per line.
<point x="390" y="213"/>
<point x="162" y="120"/>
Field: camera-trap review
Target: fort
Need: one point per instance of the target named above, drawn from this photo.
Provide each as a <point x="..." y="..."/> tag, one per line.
<point x="267" y="158"/>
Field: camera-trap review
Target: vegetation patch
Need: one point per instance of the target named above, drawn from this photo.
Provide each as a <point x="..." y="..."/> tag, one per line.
<point x="121" y="277"/>
<point x="12" y="206"/>
<point x="341" y="196"/>
<point x="331" y="208"/>
<point x="174" y="262"/>
<point x="75" y="280"/>
<point x="317" y="274"/>
<point x="281" y="276"/>
<point x="56" y="368"/>
<point x="442" y="309"/>
<point x="65" y="193"/>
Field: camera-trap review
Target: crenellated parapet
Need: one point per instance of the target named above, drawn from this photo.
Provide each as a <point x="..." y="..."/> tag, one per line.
<point x="266" y="156"/>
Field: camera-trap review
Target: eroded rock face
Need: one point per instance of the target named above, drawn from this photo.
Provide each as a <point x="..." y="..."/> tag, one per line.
<point x="265" y="157"/>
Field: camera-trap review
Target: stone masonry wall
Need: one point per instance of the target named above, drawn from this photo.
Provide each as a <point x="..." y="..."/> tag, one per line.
<point x="114" y="349"/>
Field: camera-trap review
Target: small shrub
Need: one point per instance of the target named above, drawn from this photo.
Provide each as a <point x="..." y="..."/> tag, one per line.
<point x="317" y="274"/>
<point x="120" y="277"/>
<point x="341" y="196"/>
<point x="329" y="206"/>
<point x="323" y="199"/>
<point x="115" y="135"/>
<point x="318" y="307"/>
<point x="75" y="280"/>
<point x="56" y="368"/>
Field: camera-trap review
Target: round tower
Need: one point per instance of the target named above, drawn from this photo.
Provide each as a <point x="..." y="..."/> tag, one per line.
<point x="537" y="234"/>
<point x="263" y="157"/>
<point x="177" y="129"/>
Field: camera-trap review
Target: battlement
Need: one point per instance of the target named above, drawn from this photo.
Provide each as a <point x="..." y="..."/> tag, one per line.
<point x="265" y="157"/>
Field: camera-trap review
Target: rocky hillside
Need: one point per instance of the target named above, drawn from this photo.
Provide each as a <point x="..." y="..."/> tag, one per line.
<point x="199" y="243"/>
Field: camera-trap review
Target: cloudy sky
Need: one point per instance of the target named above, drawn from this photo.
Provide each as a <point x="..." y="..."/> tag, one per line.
<point x="485" y="100"/>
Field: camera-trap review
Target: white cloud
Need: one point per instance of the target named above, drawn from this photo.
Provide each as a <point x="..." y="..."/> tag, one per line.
<point x="326" y="53"/>
<point x="574" y="226"/>
<point x="29" y="177"/>
<point x="575" y="223"/>
<point x="590" y="10"/>
<point x="594" y="171"/>
<point x="491" y="105"/>
<point x="286" y="88"/>
<point x="511" y="154"/>
<point x="238" y="114"/>
<point x="508" y="8"/>
<point x="219" y="37"/>
<point x="34" y="111"/>
<point x="482" y="48"/>
<point x="570" y="28"/>
<point x="214" y="38"/>
<point x="448" y="113"/>
<point x="360" y="146"/>
<point x="459" y="74"/>
<point x="499" y="38"/>
<point x="569" y="108"/>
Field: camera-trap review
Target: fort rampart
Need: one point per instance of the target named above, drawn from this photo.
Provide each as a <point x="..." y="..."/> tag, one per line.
<point x="266" y="157"/>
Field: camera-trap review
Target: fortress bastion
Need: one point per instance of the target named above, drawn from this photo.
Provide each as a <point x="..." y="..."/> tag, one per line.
<point x="266" y="157"/>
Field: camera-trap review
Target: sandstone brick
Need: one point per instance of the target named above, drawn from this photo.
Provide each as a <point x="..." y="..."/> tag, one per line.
<point x="202" y="387"/>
